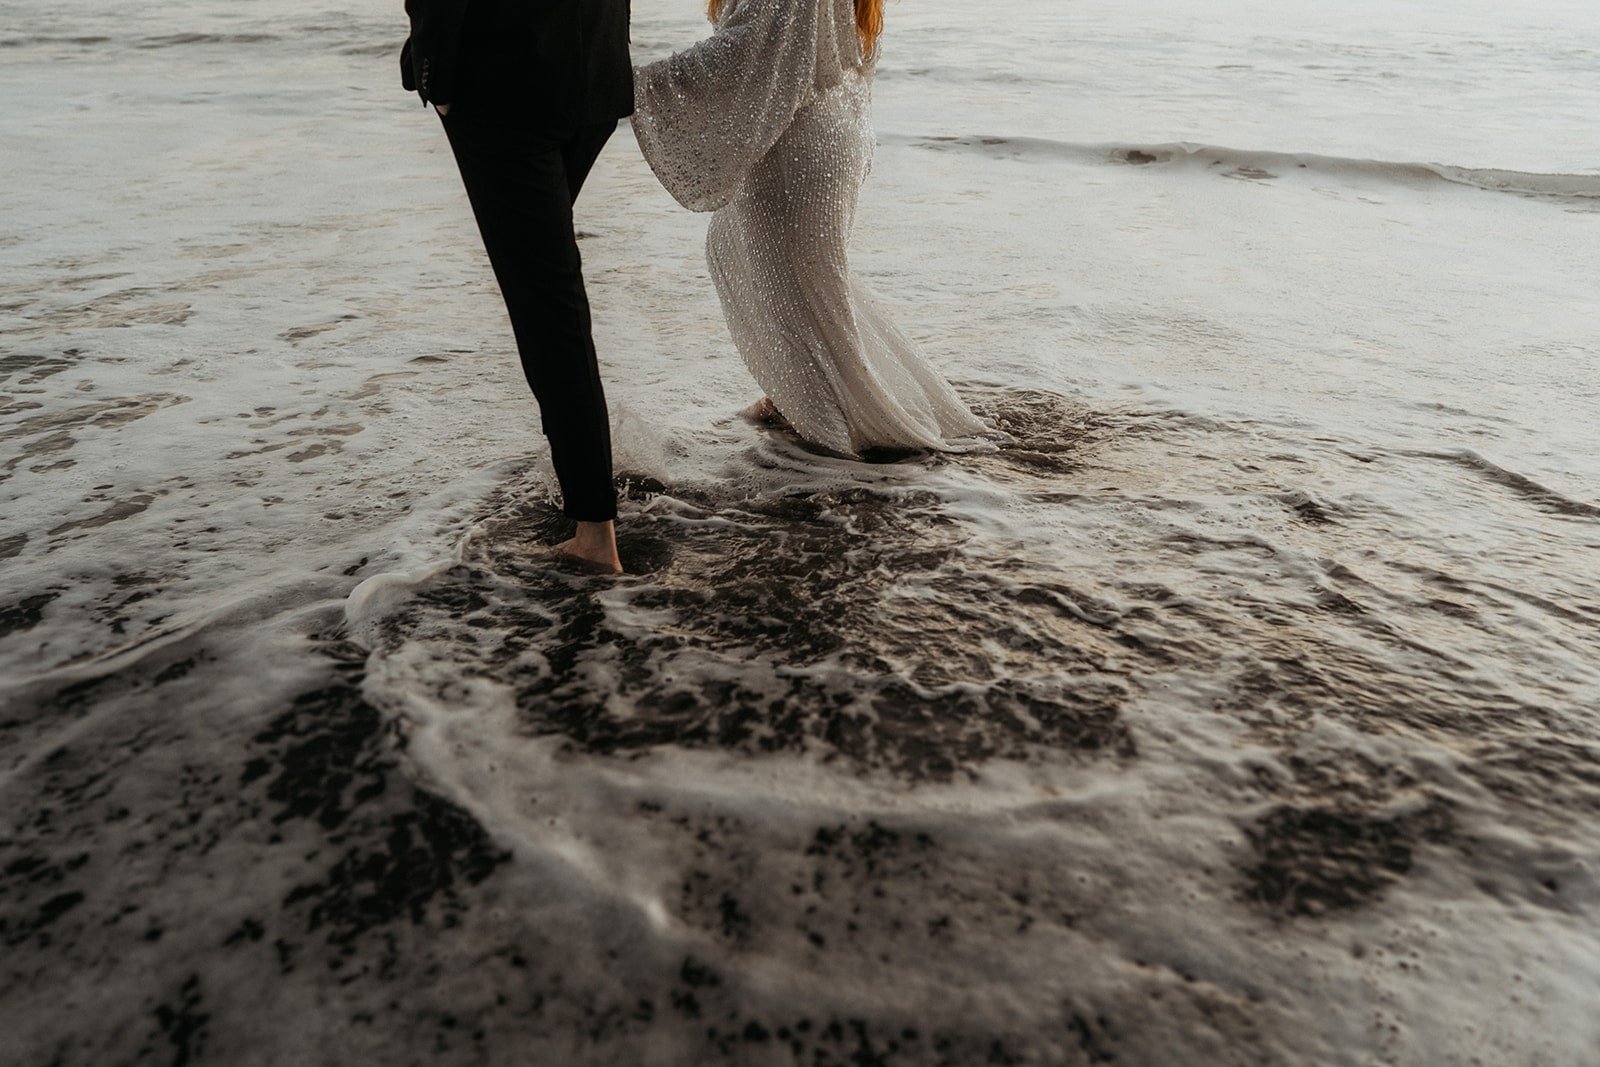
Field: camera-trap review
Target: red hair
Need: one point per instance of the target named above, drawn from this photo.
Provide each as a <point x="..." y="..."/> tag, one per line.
<point x="869" y="20"/>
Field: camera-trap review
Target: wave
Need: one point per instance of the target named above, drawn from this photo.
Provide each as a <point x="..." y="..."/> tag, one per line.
<point x="1541" y="496"/>
<point x="79" y="39"/>
<point x="171" y="39"/>
<point x="1262" y="165"/>
<point x="167" y="40"/>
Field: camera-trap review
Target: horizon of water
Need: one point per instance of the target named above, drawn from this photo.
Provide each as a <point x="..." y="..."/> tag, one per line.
<point x="1244" y="710"/>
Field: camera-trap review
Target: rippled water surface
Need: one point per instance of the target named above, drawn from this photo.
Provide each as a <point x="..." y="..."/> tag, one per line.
<point x="1241" y="711"/>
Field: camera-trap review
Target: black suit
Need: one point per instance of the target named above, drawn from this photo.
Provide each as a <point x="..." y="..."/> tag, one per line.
<point x="569" y="57"/>
<point x="535" y="88"/>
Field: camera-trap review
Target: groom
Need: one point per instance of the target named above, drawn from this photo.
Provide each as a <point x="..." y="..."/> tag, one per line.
<point x="528" y="93"/>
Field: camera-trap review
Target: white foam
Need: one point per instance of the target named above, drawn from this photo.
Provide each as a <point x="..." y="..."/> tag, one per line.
<point x="247" y="287"/>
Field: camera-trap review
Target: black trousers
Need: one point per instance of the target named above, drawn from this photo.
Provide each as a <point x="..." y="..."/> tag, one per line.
<point x="522" y="185"/>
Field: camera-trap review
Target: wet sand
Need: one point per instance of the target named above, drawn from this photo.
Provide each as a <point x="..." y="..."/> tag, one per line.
<point x="1240" y="712"/>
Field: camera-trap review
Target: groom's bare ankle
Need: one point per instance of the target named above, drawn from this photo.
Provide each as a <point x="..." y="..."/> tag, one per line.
<point x="594" y="544"/>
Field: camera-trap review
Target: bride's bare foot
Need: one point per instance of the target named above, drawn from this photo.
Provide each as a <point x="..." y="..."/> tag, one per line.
<point x="764" y="410"/>
<point x="593" y="547"/>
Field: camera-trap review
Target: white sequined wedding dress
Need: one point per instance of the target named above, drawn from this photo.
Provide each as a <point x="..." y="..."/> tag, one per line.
<point x="767" y="123"/>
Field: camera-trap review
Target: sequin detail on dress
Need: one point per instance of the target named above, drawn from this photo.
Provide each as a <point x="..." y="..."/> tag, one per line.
<point x="767" y="124"/>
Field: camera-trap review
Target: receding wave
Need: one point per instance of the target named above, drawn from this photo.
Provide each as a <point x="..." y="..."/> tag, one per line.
<point x="166" y="40"/>
<point x="78" y="39"/>
<point x="1541" y="496"/>
<point x="1267" y="165"/>
<point x="171" y="39"/>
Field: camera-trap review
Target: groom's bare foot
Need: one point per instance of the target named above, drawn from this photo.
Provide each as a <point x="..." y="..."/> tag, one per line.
<point x="764" y="410"/>
<point x="594" y="548"/>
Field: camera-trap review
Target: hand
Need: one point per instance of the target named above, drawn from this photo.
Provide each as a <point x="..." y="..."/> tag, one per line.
<point x="442" y="109"/>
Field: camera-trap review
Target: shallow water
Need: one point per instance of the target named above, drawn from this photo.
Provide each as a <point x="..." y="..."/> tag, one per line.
<point x="1242" y="711"/>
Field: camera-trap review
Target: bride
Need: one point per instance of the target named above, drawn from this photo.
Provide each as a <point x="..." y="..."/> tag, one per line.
<point x="767" y="124"/>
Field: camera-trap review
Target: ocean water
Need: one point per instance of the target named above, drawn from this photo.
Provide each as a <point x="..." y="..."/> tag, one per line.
<point x="1243" y="711"/>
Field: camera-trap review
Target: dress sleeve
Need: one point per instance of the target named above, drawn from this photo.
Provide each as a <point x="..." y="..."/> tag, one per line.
<point x="705" y="116"/>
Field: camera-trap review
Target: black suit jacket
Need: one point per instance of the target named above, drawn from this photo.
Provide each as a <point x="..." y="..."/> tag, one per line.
<point x="565" y="62"/>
